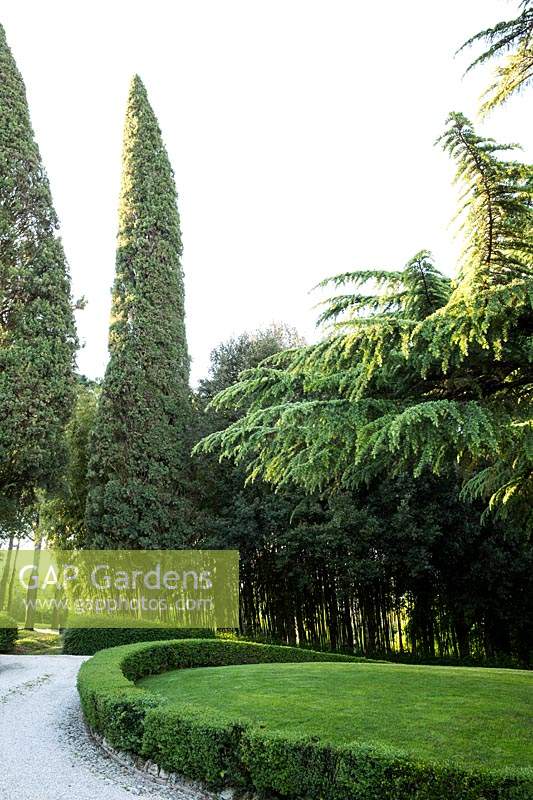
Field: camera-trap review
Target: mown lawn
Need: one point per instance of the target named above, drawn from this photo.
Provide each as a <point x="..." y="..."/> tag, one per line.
<point x="475" y="716"/>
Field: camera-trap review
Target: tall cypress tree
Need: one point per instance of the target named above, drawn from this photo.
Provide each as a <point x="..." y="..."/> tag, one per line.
<point x="37" y="332"/>
<point x="140" y="447"/>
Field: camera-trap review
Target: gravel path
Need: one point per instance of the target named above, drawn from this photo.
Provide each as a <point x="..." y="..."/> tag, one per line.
<point x="45" y="751"/>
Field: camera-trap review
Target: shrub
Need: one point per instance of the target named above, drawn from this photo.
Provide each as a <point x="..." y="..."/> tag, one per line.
<point x="220" y="749"/>
<point x="8" y="633"/>
<point x="301" y="768"/>
<point x="289" y="765"/>
<point x="88" y="641"/>
<point x="202" y="746"/>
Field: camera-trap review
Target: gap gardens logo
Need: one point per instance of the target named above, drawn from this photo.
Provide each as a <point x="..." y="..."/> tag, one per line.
<point x="126" y="588"/>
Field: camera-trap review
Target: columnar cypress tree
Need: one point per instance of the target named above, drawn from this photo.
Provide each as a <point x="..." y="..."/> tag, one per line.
<point x="138" y="468"/>
<point x="37" y="331"/>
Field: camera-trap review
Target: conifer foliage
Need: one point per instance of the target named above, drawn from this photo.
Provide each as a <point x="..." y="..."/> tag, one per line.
<point x="514" y="39"/>
<point x="418" y="373"/>
<point x="140" y="445"/>
<point x="37" y="332"/>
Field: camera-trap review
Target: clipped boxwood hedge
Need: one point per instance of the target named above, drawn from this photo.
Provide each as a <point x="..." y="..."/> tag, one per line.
<point x="8" y="633"/>
<point x="88" y="641"/>
<point x="219" y="749"/>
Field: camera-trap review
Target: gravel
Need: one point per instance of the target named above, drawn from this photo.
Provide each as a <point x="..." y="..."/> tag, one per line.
<point x="45" y="750"/>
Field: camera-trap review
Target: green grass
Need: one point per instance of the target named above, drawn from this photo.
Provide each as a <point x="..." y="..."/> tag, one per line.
<point x="472" y="716"/>
<point x="33" y="643"/>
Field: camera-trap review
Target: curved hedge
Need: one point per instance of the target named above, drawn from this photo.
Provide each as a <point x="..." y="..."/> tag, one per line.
<point x="8" y="633"/>
<point x="88" y="641"/>
<point x="218" y="749"/>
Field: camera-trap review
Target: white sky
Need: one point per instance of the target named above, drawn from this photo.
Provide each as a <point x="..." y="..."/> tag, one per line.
<point x="300" y="131"/>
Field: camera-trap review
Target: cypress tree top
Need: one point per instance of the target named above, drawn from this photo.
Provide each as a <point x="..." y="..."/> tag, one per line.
<point x="37" y="332"/>
<point x="140" y="447"/>
<point x="149" y="277"/>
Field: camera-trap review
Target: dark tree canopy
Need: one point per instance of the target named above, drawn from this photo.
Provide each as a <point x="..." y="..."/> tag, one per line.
<point x="37" y="332"/>
<point x="399" y="566"/>
<point x="137" y="472"/>
<point x="62" y="514"/>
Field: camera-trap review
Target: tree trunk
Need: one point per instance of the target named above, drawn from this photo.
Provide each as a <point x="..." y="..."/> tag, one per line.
<point x="7" y="571"/>
<point x="462" y="632"/>
<point x="12" y="581"/>
<point x="31" y="594"/>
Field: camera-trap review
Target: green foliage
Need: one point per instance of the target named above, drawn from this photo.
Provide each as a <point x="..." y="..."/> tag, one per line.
<point x="33" y="643"/>
<point x="37" y="332"/>
<point x="515" y="39"/>
<point x="62" y="514"/>
<point x="88" y="641"/>
<point x="400" y="564"/>
<point x="230" y="514"/>
<point x="273" y="761"/>
<point x="201" y="745"/>
<point x="417" y="374"/>
<point x="299" y="768"/>
<point x="230" y="358"/>
<point x="138" y="465"/>
<point x="411" y="294"/>
<point x="222" y="751"/>
<point x="8" y="633"/>
<point x="496" y="206"/>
